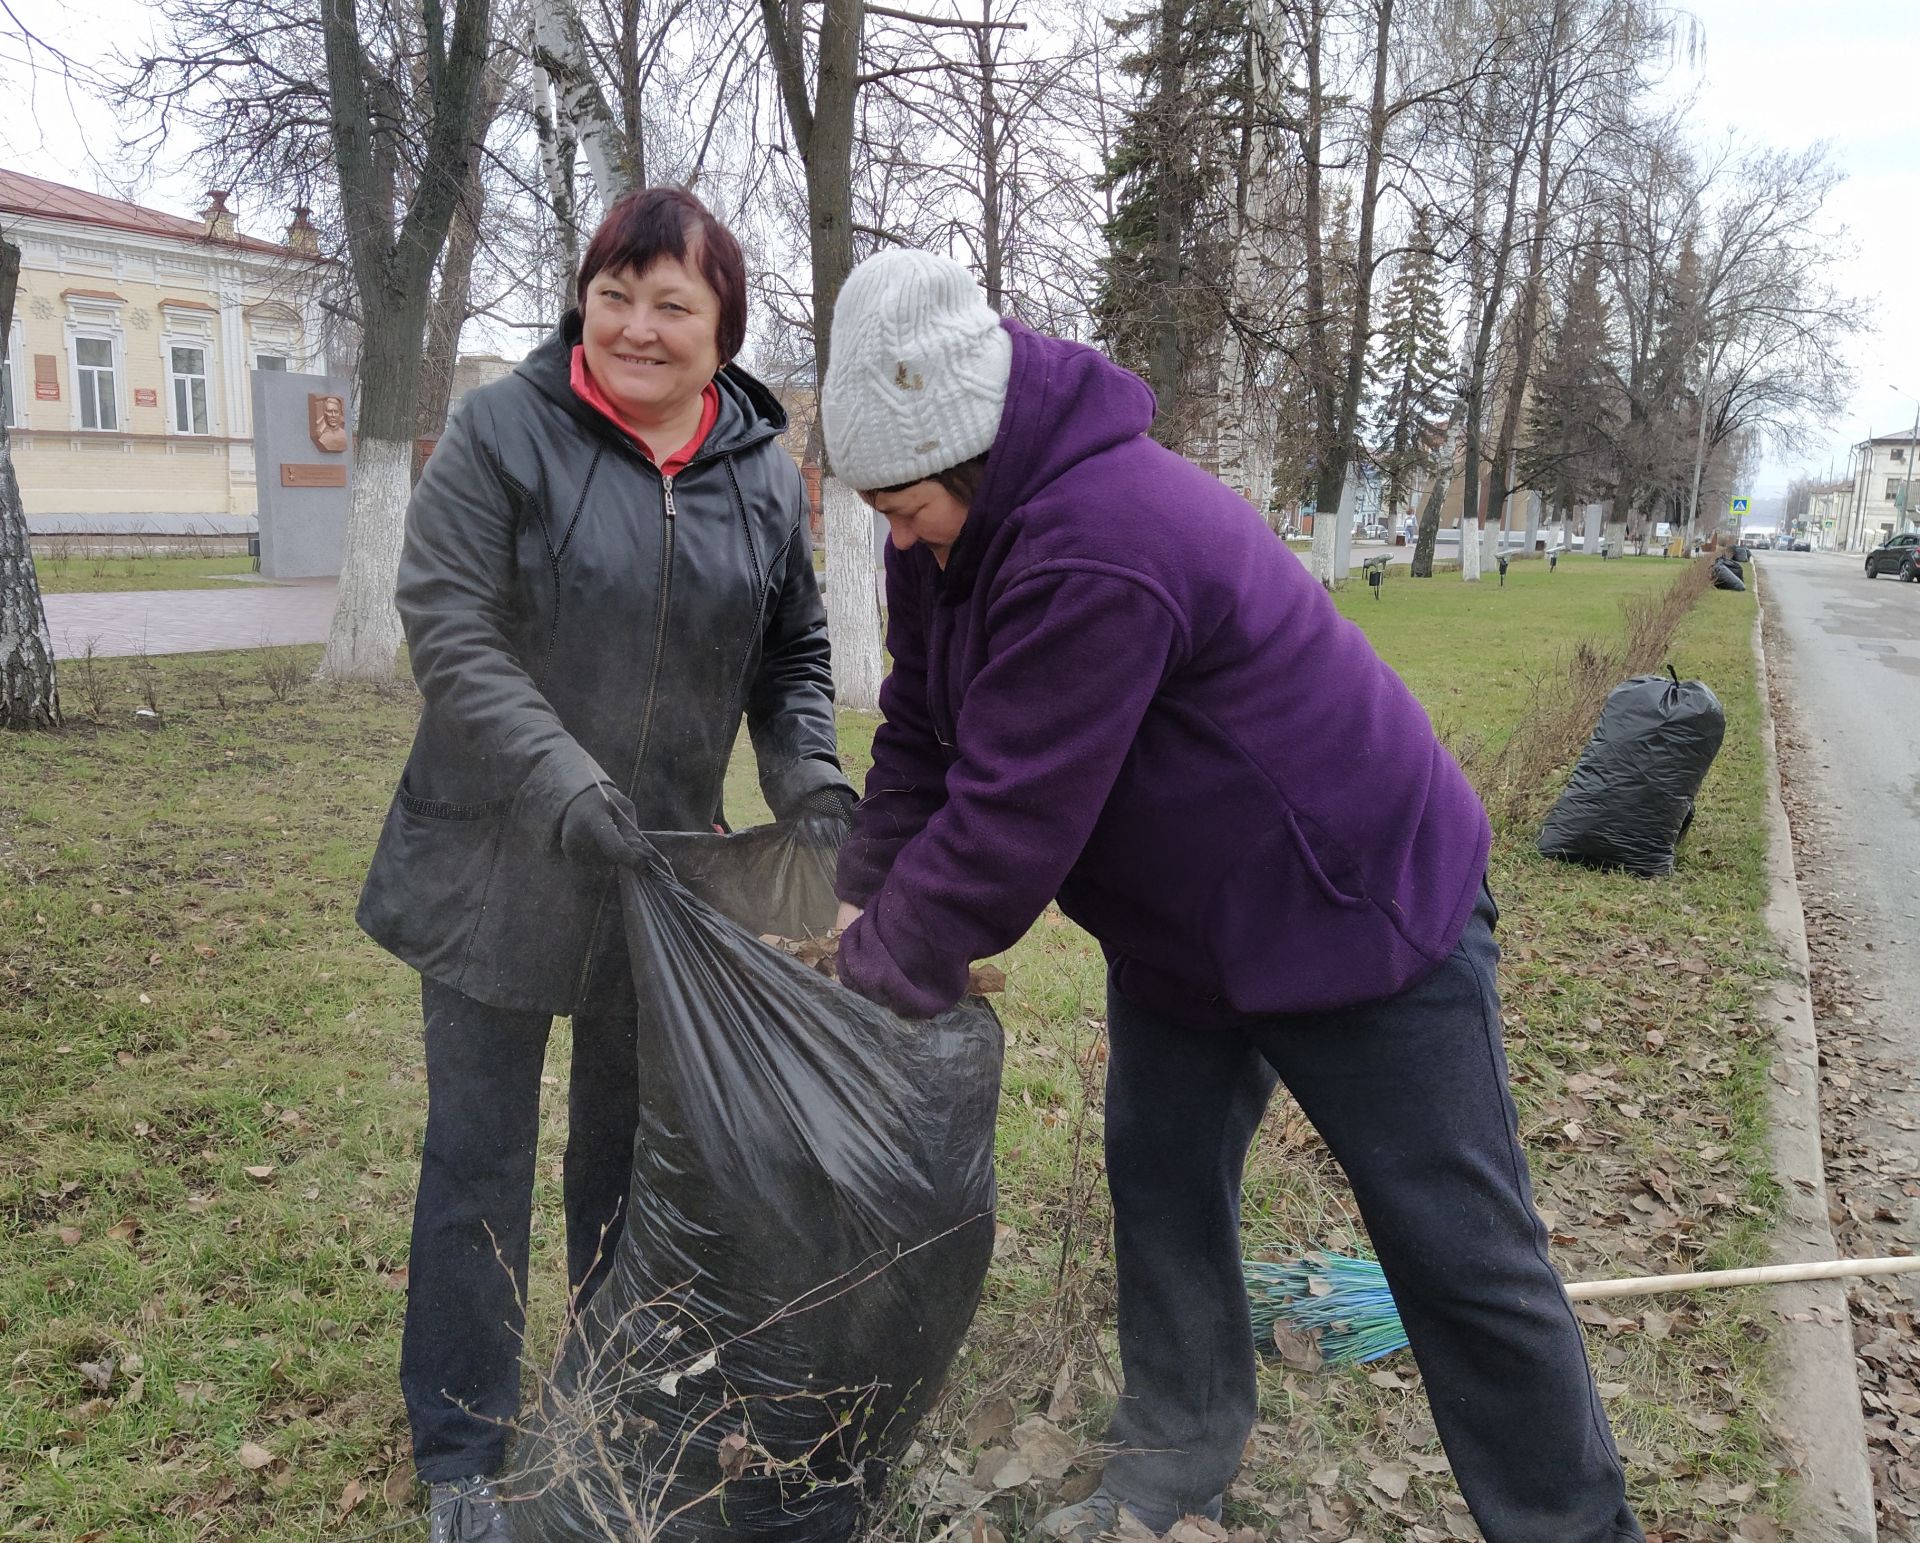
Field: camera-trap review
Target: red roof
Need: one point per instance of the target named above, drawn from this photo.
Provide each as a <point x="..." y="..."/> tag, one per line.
<point x="21" y="194"/>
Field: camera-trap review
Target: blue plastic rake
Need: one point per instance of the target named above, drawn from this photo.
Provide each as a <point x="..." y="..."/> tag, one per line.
<point x="1341" y="1301"/>
<point x="1344" y="1302"/>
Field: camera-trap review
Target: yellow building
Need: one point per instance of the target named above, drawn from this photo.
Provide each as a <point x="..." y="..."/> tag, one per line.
<point x="124" y="382"/>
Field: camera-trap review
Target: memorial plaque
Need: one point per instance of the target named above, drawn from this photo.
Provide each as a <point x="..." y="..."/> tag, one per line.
<point x="295" y="474"/>
<point x="303" y="471"/>
<point x="143" y="397"/>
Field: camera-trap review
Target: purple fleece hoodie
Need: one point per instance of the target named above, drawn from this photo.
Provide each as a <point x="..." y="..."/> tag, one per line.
<point x="1124" y="691"/>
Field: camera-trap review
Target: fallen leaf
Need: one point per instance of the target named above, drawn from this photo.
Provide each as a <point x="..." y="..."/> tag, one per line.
<point x="260" y="1171"/>
<point x="350" y="1497"/>
<point x="98" y="1374"/>
<point x="398" y="1489"/>
<point x="1391" y="1479"/>
<point x="990" y="1421"/>
<point x="1047" y="1450"/>
<point x="732" y="1455"/>
<point x="70" y="1237"/>
<point x="125" y="1230"/>
<point x="254" y="1457"/>
<point x="1297" y="1350"/>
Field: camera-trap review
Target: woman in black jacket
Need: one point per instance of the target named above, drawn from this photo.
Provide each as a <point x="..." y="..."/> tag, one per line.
<point x="606" y="566"/>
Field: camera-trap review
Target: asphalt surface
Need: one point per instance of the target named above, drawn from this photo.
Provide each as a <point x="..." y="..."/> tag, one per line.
<point x="1852" y="673"/>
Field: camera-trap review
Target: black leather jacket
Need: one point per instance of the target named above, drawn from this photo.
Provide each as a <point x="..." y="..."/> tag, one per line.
<point x="575" y="619"/>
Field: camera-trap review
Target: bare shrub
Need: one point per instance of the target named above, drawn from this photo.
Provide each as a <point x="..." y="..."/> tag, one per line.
<point x="280" y="670"/>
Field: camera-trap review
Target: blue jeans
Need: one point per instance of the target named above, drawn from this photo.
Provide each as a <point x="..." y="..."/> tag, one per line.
<point x="1410" y="1094"/>
<point x="467" y="1273"/>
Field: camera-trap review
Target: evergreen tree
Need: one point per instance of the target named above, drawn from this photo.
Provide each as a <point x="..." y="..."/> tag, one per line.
<point x="1573" y="422"/>
<point x="1166" y="270"/>
<point x="1411" y="373"/>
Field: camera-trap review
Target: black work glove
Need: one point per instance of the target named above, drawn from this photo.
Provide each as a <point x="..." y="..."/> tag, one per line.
<point x="825" y="816"/>
<point x="600" y="826"/>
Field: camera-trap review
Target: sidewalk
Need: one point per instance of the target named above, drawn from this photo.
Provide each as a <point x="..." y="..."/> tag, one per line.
<point x="190" y="621"/>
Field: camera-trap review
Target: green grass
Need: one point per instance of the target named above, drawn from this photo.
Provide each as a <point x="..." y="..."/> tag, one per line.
<point x="1442" y="635"/>
<point x="67" y="575"/>
<point x="183" y="998"/>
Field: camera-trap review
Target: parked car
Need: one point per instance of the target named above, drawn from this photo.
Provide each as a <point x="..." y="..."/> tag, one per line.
<point x="1895" y="555"/>
<point x="1373" y="530"/>
<point x="1801" y="546"/>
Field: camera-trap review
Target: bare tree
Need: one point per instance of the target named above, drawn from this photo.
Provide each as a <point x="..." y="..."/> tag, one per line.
<point x="394" y="239"/>
<point x="374" y="118"/>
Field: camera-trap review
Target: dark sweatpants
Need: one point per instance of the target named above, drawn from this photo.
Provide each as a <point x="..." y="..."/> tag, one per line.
<point x="467" y="1274"/>
<point x="1410" y="1094"/>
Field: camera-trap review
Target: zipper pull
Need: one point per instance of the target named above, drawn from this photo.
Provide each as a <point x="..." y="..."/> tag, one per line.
<point x="666" y="488"/>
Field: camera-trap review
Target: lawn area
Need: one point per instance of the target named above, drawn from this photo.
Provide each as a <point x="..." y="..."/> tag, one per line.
<point x="211" y="1099"/>
<point x="86" y="574"/>
<point x="1442" y="635"/>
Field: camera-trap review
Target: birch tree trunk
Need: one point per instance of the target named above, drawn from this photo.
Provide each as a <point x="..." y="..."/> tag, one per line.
<point x="1243" y="420"/>
<point x="29" y="695"/>
<point x="560" y="50"/>
<point x="853" y="607"/>
<point x="557" y="151"/>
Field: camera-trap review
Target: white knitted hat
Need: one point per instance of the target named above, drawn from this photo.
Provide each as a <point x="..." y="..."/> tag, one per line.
<point x="918" y="371"/>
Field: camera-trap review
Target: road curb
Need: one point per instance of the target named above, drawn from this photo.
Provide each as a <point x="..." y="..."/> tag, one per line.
<point x="1819" y="1411"/>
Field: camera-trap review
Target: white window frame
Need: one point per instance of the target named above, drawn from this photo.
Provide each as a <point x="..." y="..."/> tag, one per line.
<point x="101" y="320"/>
<point x="280" y="369"/>
<point x="116" y="369"/>
<point x="176" y="378"/>
<point x="16" y="381"/>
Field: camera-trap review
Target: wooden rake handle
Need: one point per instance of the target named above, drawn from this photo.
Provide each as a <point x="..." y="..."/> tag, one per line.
<point x="1758" y="1275"/>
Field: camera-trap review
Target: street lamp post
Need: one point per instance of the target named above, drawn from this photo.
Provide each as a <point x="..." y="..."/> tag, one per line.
<point x="1913" y="444"/>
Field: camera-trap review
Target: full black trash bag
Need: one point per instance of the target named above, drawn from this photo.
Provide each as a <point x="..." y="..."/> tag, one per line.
<point x="1727" y="576"/>
<point x="1742" y="555"/>
<point x="809" y="1225"/>
<point x="1630" y="798"/>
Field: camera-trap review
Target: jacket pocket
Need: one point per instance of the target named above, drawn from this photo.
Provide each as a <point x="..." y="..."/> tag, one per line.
<point x="1336" y="892"/>
<point x="440" y="809"/>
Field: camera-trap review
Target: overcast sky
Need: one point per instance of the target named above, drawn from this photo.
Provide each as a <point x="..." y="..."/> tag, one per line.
<point x="1783" y="72"/>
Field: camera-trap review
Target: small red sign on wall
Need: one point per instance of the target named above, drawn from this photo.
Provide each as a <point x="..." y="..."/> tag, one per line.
<point x="46" y="391"/>
<point x="145" y="398"/>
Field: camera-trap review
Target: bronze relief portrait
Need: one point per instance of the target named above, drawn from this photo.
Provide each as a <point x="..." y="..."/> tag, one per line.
<point x="327" y="421"/>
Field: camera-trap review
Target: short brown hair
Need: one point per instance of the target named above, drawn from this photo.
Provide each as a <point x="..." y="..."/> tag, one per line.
<point x="962" y="481"/>
<point x="651" y="223"/>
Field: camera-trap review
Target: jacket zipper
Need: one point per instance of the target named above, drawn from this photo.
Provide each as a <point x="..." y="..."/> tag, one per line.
<point x="646" y="716"/>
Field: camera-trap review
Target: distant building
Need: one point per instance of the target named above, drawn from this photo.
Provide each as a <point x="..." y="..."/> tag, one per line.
<point x="1884" y="488"/>
<point x="124" y="382"/>
<point x="471" y="370"/>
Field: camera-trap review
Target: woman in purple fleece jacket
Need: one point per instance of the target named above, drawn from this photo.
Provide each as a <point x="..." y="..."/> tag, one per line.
<point x="1113" y="686"/>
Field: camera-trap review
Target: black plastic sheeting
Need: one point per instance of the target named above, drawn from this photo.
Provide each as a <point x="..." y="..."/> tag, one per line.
<point x="1727" y="575"/>
<point x="809" y="1227"/>
<point x="1630" y="798"/>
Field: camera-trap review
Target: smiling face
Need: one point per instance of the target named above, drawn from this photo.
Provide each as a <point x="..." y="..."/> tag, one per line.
<point x="651" y="339"/>
<point x="921" y="513"/>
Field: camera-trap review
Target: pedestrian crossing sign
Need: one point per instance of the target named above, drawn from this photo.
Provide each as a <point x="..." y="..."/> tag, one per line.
<point x="1739" y="506"/>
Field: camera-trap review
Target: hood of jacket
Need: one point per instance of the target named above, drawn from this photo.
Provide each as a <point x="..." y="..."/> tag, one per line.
<point x="1066" y="404"/>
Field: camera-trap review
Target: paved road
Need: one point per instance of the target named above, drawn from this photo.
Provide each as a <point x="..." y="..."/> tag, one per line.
<point x="190" y="621"/>
<point x="1853" y="664"/>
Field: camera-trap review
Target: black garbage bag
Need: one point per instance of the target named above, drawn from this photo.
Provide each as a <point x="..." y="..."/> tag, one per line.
<point x="1726" y="575"/>
<point x="1630" y="798"/>
<point x="1742" y="555"/>
<point x="808" y="1227"/>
